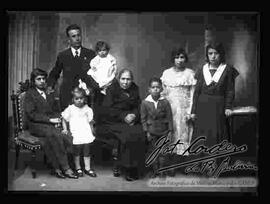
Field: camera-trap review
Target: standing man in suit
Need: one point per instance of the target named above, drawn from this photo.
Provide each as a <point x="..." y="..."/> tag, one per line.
<point x="74" y="62"/>
<point x="41" y="119"/>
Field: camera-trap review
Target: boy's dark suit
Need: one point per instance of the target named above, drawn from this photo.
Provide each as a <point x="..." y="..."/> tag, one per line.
<point x="38" y="111"/>
<point x="156" y="121"/>
<point x="73" y="69"/>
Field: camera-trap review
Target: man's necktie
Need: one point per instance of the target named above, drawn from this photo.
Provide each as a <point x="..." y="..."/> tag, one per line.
<point x="76" y="54"/>
<point x="43" y="95"/>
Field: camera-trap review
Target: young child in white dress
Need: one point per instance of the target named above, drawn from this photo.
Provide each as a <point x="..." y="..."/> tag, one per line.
<point x="79" y="117"/>
<point x="103" y="66"/>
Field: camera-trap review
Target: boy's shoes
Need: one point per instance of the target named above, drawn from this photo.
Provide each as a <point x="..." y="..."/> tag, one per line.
<point x="79" y="172"/>
<point x="90" y="173"/>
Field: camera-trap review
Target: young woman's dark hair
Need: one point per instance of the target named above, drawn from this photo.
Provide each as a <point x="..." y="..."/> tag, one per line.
<point x="219" y="48"/>
<point x="37" y="72"/>
<point x="177" y="52"/>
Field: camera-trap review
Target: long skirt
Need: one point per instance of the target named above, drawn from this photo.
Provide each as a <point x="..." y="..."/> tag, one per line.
<point x="210" y="123"/>
<point x="130" y="141"/>
<point x="211" y="120"/>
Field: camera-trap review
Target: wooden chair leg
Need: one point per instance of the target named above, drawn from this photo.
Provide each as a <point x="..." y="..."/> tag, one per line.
<point x="17" y="152"/>
<point x="33" y="161"/>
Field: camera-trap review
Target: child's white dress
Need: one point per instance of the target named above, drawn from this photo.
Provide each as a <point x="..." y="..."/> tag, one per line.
<point x="79" y="119"/>
<point x="103" y="70"/>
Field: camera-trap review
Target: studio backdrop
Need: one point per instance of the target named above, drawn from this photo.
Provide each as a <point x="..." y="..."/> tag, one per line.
<point x="140" y="41"/>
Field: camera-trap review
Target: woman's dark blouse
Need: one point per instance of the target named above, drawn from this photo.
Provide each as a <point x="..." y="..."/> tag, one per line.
<point x="224" y="87"/>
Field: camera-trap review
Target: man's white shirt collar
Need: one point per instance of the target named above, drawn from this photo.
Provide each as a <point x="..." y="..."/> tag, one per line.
<point x="42" y="93"/>
<point x="73" y="50"/>
<point x="207" y="75"/>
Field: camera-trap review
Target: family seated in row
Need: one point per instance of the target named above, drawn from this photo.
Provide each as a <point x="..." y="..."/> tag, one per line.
<point x="181" y="105"/>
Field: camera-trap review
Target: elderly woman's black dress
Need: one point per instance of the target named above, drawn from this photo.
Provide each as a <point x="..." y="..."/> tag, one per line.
<point x="112" y="129"/>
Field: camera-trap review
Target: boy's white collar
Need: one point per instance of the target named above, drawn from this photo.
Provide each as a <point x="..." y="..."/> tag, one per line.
<point x="150" y="98"/>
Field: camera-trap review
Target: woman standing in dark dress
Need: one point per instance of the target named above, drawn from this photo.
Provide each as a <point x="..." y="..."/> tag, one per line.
<point x="213" y="97"/>
<point x="119" y="124"/>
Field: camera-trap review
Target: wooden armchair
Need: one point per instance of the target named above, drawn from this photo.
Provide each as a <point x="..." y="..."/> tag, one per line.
<point x="22" y="138"/>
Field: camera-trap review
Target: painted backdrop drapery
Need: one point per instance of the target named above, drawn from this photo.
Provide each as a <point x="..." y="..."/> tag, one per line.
<point x="23" y="48"/>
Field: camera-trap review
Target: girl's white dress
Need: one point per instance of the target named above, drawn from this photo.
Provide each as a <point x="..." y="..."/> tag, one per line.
<point x="179" y="88"/>
<point x="79" y="119"/>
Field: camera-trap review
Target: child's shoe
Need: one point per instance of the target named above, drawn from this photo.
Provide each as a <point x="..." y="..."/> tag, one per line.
<point x="79" y="172"/>
<point x="90" y="172"/>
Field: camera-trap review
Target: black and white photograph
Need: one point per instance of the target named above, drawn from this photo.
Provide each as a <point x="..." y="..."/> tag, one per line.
<point x="133" y="101"/>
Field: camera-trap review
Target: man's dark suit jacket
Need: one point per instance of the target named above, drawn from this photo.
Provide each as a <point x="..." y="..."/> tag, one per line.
<point x="38" y="111"/>
<point x="73" y="69"/>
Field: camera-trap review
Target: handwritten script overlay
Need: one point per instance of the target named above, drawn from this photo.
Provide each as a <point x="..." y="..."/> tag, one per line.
<point x="223" y="149"/>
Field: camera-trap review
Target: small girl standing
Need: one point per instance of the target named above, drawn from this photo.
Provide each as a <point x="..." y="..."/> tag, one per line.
<point x="103" y="66"/>
<point x="79" y="117"/>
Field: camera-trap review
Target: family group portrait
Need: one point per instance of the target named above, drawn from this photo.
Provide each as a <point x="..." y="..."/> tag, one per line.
<point x="132" y="101"/>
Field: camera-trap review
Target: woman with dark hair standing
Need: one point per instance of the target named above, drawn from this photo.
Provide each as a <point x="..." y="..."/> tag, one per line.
<point x="179" y="84"/>
<point x="213" y="97"/>
<point x="119" y="125"/>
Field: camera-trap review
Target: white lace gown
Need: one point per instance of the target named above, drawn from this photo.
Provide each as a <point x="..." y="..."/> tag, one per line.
<point x="179" y="88"/>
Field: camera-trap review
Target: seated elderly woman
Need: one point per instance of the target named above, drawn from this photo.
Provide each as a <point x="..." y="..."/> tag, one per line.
<point x="118" y="124"/>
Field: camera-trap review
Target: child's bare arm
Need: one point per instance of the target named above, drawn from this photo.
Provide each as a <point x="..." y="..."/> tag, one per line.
<point x="64" y="125"/>
<point x="92" y="125"/>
